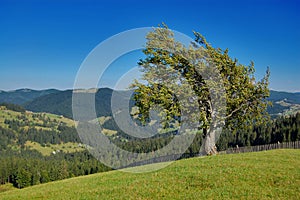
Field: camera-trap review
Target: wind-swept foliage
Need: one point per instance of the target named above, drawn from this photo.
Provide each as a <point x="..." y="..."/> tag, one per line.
<point x="180" y="79"/>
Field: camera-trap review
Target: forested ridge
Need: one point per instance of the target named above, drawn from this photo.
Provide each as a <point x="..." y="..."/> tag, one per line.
<point x="22" y="96"/>
<point x="28" y="167"/>
<point x="60" y="102"/>
<point x="23" y="166"/>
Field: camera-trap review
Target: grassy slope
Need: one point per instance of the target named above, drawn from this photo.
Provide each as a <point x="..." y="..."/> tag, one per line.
<point x="7" y="187"/>
<point x="68" y="147"/>
<point x="263" y="175"/>
<point x="9" y="114"/>
<point x="32" y="118"/>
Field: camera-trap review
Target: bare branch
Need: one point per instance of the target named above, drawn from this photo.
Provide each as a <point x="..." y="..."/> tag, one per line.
<point x="238" y="109"/>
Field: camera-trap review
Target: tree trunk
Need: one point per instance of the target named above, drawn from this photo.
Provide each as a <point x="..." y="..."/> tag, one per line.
<point x="209" y="144"/>
<point x="211" y="136"/>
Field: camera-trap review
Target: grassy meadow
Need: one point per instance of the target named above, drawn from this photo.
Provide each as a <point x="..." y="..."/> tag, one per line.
<point x="263" y="175"/>
<point x="36" y="120"/>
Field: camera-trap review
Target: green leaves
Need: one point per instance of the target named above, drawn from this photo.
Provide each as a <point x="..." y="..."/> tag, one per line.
<point x="210" y="72"/>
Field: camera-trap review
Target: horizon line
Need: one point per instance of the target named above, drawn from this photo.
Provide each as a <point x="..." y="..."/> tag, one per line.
<point x="105" y="87"/>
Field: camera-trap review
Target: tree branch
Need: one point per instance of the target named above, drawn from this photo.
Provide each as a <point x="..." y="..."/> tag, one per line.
<point x="238" y="109"/>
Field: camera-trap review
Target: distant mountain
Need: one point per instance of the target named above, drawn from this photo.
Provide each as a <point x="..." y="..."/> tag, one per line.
<point x="284" y="103"/>
<point x="293" y="98"/>
<point x="60" y="103"/>
<point x="22" y="96"/>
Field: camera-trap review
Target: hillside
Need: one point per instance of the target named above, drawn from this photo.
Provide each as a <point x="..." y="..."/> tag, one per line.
<point x="22" y="96"/>
<point x="60" y="102"/>
<point x="284" y="103"/>
<point x="40" y="147"/>
<point x="43" y="132"/>
<point x="293" y="98"/>
<point x="262" y="175"/>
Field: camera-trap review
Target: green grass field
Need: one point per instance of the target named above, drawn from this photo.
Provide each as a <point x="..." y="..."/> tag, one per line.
<point x="69" y="147"/>
<point x="263" y="175"/>
<point x="35" y="120"/>
<point x="32" y="117"/>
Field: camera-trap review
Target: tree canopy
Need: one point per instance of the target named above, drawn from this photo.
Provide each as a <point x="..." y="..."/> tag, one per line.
<point x="178" y="78"/>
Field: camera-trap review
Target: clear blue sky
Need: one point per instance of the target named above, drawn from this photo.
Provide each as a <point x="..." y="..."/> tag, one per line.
<point x="43" y="42"/>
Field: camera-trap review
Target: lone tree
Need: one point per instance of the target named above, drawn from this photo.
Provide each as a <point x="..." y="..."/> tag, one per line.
<point x="197" y="64"/>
